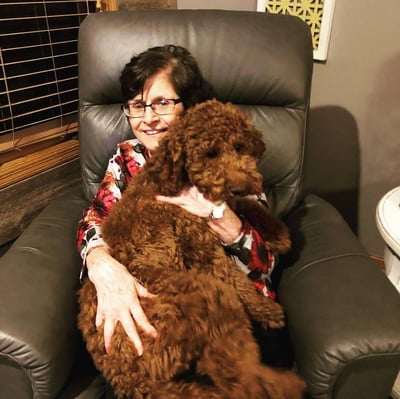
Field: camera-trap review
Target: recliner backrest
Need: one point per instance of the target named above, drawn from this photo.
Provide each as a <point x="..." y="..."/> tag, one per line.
<point x="261" y="62"/>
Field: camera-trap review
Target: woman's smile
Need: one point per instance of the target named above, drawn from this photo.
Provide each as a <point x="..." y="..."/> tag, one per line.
<point x="154" y="132"/>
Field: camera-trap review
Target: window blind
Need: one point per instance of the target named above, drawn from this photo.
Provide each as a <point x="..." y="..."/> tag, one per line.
<point x="38" y="63"/>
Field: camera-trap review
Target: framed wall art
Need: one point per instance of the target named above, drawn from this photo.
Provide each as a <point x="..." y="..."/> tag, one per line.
<point x="318" y="14"/>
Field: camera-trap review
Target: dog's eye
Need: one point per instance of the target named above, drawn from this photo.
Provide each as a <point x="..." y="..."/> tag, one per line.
<point x="238" y="147"/>
<point x="212" y="154"/>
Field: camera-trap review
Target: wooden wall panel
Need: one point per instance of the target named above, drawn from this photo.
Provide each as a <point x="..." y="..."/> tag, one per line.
<point x="22" y="201"/>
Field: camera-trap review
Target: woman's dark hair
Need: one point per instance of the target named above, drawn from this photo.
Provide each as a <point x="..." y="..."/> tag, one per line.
<point x="186" y="76"/>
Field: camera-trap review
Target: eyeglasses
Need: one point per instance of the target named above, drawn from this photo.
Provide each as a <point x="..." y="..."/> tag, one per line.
<point x="162" y="106"/>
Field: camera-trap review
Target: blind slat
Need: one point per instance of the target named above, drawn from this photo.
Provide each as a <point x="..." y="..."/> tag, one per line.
<point x="42" y="17"/>
<point x="10" y="141"/>
<point x="39" y="85"/>
<point x="40" y="59"/>
<point x="40" y="110"/>
<point x="41" y="97"/>
<point x="35" y="45"/>
<point x="39" y="31"/>
<point x="38" y="72"/>
<point x="40" y="2"/>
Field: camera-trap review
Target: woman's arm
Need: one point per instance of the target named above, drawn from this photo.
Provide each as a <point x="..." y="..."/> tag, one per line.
<point x="118" y="292"/>
<point x="126" y="161"/>
<point x="89" y="231"/>
<point x="240" y="239"/>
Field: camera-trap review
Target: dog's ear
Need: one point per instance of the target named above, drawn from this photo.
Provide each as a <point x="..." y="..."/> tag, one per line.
<point x="258" y="145"/>
<point x="254" y="136"/>
<point x="167" y="164"/>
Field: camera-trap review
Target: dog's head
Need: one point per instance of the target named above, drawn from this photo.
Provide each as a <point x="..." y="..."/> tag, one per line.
<point x="215" y="147"/>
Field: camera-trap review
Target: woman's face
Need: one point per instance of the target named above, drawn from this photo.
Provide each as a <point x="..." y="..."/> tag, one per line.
<point x="150" y="128"/>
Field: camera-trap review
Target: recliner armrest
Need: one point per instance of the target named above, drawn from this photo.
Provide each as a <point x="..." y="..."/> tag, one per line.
<point x="343" y="313"/>
<point x="40" y="275"/>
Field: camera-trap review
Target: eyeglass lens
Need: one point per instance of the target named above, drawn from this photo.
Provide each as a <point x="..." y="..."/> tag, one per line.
<point x="160" y="107"/>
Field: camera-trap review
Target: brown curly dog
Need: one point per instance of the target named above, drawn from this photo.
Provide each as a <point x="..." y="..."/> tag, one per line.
<point x="204" y="348"/>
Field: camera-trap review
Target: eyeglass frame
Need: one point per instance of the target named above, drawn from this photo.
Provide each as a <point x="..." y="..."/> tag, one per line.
<point x="126" y="107"/>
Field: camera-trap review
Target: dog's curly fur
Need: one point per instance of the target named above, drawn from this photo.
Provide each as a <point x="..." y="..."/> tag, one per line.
<point x="204" y="348"/>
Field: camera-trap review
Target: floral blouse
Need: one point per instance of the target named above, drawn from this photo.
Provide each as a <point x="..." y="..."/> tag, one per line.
<point x="248" y="251"/>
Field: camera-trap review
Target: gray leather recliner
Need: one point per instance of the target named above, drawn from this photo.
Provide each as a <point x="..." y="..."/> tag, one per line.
<point x="343" y="314"/>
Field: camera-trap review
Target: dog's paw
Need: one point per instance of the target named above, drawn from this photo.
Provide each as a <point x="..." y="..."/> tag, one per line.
<point x="276" y="324"/>
<point x="274" y="316"/>
<point x="293" y="386"/>
<point x="286" y="384"/>
<point x="280" y="246"/>
<point x="278" y="239"/>
<point x="273" y="230"/>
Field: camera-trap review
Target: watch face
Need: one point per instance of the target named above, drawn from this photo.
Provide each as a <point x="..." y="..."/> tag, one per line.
<point x="218" y="211"/>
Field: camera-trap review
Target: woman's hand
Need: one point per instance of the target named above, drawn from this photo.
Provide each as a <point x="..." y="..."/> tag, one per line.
<point x="228" y="228"/>
<point x="118" y="294"/>
<point x="191" y="200"/>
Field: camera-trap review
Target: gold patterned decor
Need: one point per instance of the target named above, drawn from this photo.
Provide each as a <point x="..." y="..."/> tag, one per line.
<point x="318" y="14"/>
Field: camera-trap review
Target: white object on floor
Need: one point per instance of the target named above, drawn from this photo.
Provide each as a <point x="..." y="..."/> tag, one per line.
<point x="396" y="389"/>
<point x="388" y="223"/>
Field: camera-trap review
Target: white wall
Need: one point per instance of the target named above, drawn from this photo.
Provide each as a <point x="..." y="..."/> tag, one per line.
<point x="362" y="77"/>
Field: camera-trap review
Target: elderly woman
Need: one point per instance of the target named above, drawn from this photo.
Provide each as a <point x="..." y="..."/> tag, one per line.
<point x="157" y="86"/>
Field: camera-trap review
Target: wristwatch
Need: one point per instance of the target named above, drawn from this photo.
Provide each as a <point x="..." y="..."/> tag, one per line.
<point x="217" y="211"/>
